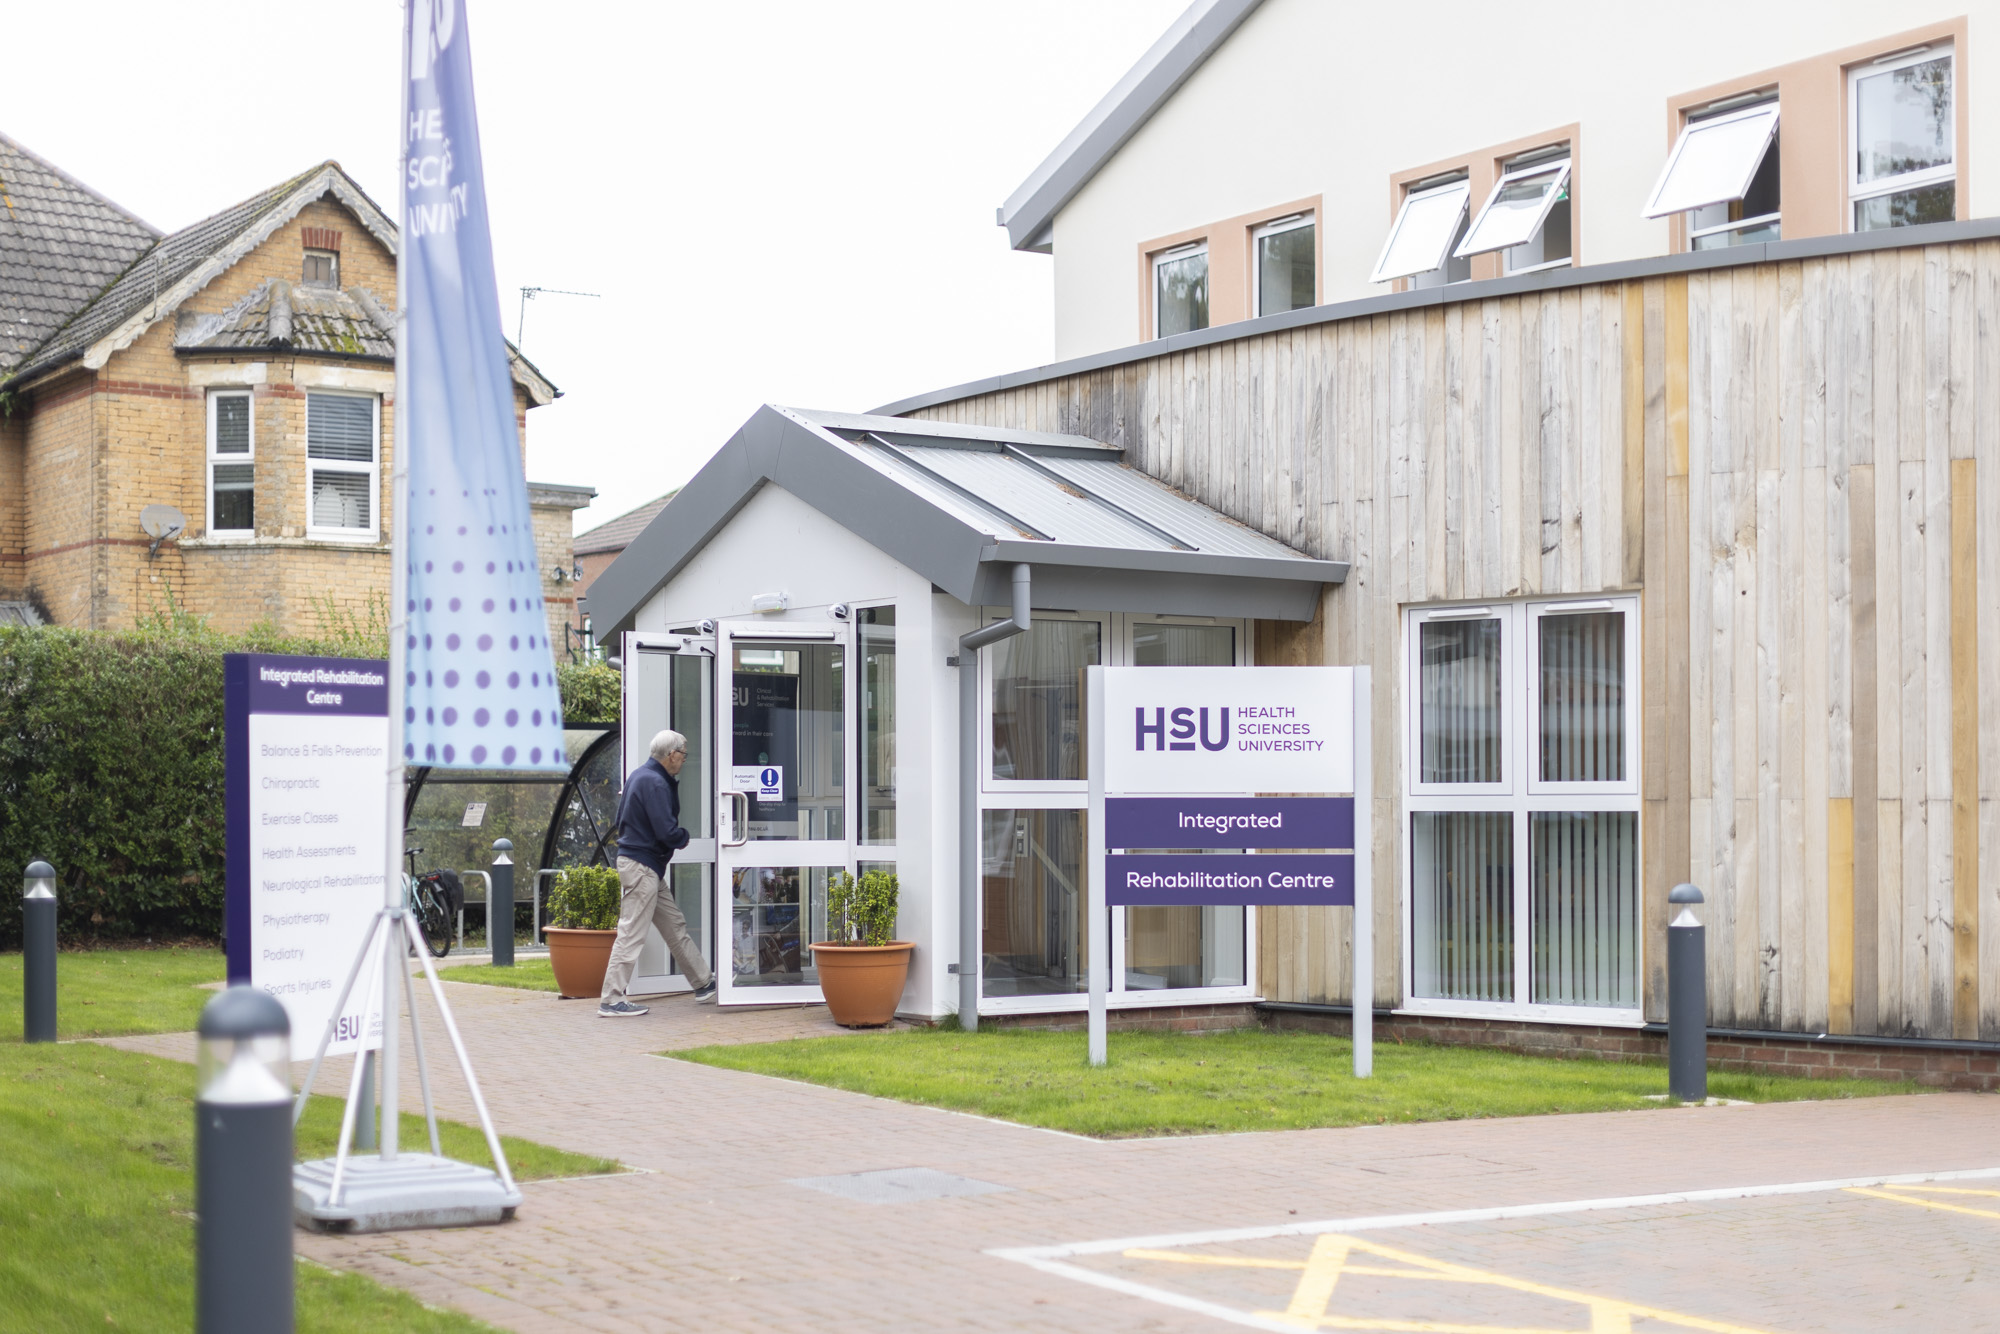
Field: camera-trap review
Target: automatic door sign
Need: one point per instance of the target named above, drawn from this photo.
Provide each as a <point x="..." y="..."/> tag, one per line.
<point x="765" y="782"/>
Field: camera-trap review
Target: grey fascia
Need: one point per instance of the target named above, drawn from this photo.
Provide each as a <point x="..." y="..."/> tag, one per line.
<point x="1008" y="551"/>
<point x="1029" y="213"/>
<point x="1551" y="280"/>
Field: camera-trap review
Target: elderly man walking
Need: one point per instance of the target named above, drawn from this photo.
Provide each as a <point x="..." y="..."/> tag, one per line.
<point x="649" y="834"/>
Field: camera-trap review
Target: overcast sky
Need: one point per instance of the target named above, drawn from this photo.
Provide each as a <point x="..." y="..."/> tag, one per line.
<point x="780" y="202"/>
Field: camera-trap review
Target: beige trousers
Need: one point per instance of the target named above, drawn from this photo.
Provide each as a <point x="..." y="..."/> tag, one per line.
<point x="644" y="902"/>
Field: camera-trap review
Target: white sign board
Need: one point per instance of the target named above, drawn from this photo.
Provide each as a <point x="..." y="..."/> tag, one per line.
<point x="1229" y="729"/>
<point x="765" y="782"/>
<point x="307" y="757"/>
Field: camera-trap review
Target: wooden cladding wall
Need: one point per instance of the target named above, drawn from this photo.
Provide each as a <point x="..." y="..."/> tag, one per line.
<point x="1798" y="464"/>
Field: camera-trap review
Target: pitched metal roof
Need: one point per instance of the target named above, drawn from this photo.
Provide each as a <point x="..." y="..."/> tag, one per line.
<point x="296" y="317"/>
<point x="617" y="534"/>
<point x="1029" y="213"/>
<point x="61" y="243"/>
<point x="961" y="505"/>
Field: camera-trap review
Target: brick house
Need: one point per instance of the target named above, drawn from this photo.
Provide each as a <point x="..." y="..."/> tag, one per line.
<point x="240" y="370"/>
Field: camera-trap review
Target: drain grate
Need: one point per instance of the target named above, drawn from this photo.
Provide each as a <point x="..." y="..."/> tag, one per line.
<point x="898" y="1185"/>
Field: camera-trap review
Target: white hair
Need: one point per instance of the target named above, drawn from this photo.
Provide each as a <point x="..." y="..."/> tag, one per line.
<point x="667" y="743"/>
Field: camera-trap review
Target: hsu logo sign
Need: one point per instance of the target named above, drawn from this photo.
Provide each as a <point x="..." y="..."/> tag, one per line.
<point x="1179" y="729"/>
<point x="1227" y="729"/>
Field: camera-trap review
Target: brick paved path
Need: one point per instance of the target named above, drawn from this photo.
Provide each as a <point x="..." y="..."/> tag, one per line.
<point x="713" y="1235"/>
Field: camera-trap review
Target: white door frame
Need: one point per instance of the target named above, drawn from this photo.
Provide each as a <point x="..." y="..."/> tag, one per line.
<point x="649" y="707"/>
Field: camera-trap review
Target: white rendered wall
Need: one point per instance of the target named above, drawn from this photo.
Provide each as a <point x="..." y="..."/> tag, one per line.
<point x="779" y="543"/>
<point x="1313" y="97"/>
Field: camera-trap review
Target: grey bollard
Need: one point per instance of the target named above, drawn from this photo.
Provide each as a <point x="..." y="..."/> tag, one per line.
<point x="38" y="953"/>
<point x="1687" y="999"/>
<point x="500" y="904"/>
<point x="243" y="1166"/>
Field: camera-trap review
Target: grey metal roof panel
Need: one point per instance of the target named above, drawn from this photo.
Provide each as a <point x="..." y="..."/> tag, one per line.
<point x="976" y="512"/>
<point x="1156" y="503"/>
<point x="1038" y="499"/>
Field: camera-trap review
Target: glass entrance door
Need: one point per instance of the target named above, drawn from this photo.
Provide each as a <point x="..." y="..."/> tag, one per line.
<point x="669" y="682"/>
<point x="784" y="804"/>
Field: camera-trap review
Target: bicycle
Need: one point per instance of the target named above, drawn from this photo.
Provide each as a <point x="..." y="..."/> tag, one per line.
<point x="429" y="897"/>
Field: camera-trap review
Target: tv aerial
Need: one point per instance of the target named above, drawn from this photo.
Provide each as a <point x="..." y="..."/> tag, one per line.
<point x="528" y="294"/>
<point x="161" y="522"/>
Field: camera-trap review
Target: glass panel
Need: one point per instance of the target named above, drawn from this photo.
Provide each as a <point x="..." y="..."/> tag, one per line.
<point x="1903" y="120"/>
<point x="1583" y="697"/>
<point x="1549" y="244"/>
<point x="878" y="725"/>
<point x="1586" y="907"/>
<point x="1183" y="646"/>
<point x="1911" y="208"/>
<point x="1462" y="894"/>
<point x="1763" y="231"/>
<point x="690" y="708"/>
<point x="689" y="882"/>
<point x="1454" y="269"/>
<point x="1032" y="925"/>
<point x="1038" y="699"/>
<point x="789" y="713"/>
<point x="340" y="427"/>
<point x="771" y="928"/>
<point x="1458" y="687"/>
<point x="340" y="500"/>
<point x="1284" y="271"/>
<point x="232" y="423"/>
<point x="587" y="828"/>
<point x="235" y="496"/>
<point x="1180" y="293"/>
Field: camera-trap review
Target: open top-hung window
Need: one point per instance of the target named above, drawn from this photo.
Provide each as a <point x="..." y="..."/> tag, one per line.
<point x="1522" y="787"/>
<point x="1528" y="215"/>
<point x="1428" y="226"/>
<point x="232" y="471"/>
<point x="1723" y="173"/>
<point x="1905" y="150"/>
<point x="341" y="473"/>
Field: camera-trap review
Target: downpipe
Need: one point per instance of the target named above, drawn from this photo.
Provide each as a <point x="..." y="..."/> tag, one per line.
<point x="968" y="793"/>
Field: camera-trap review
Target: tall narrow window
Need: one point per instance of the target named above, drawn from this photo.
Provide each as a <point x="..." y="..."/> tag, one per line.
<point x="1723" y="173"/>
<point x="878" y="724"/>
<point x="232" y="472"/>
<point x="1180" y="290"/>
<point x="1284" y="257"/>
<point x="342" y="477"/>
<point x="1524" y="807"/>
<point x="1528" y="215"/>
<point x="1905" y="149"/>
<point x="1428" y="228"/>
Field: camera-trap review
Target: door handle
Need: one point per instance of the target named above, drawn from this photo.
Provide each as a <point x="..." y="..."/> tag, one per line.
<point x="740" y="828"/>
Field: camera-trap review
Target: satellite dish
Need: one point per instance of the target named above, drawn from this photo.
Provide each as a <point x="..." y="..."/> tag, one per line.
<point x="161" y="522"/>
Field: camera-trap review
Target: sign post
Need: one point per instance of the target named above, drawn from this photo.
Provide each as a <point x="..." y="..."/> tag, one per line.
<point x="1184" y="765"/>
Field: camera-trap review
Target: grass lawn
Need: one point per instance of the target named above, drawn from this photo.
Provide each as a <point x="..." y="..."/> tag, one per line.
<point x="97" y="1183"/>
<point x="533" y="974"/>
<point x="1178" y="1084"/>
<point x="101" y="993"/>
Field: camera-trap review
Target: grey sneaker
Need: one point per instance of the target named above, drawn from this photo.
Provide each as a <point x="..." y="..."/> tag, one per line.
<point x="620" y="1009"/>
<point x="705" y="995"/>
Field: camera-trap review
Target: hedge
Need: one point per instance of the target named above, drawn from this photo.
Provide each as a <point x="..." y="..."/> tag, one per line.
<point x="111" y="767"/>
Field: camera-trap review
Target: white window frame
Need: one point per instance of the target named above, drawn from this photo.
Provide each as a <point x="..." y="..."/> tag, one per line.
<point x="1765" y="108"/>
<point x="334" y="255"/>
<point x="1858" y="190"/>
<point x="250" y="457"/>
<point x="1463" y="188"/>
<point x="1291" y="222"/>
<point x="1522" y="797"/>
<point x="1561" y="168"/>
<point x="372" y="469"/>
<point x="1172" y="255"/>
<point x="1117" y="630"/>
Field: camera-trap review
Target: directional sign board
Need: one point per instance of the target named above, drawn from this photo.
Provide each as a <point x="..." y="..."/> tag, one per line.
<point x="307" y="751"/>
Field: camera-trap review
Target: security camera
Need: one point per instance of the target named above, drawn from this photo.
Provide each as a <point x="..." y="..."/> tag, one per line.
<point x="839" y="611"/>
<point x="708" y="627"/>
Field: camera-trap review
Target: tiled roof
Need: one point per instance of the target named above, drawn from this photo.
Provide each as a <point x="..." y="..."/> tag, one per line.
<point x="617" y="534"/>
<point x="61" y="243"/>
<point x="157" y="271"/>
<point x="308" y="318"/>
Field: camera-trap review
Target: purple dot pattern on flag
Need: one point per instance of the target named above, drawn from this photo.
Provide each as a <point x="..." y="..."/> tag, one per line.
<point x="482" y="690"/>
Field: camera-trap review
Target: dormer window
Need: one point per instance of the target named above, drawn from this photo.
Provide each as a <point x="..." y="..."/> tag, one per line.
<point x="322" y="268"/>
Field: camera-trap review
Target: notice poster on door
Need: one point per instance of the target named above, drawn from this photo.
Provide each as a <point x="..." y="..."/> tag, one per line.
<point x="307" y="751"/>
<point x="766" y="726"/>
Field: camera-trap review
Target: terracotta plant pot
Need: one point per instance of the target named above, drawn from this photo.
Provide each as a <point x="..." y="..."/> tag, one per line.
<point x="579" y="959"/>
<point x="862" y="983"/>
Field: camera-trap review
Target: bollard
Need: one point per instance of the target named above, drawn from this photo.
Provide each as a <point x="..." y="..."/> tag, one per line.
<point x="38" y="953"/>
<point x="500" y="905"/>
<point x="1687" y="1000"/>
<point x="243" y="1166"/>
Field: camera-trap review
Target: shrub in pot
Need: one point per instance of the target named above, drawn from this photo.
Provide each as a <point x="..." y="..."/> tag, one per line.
<point x="582" y="926"/>
<point x="861" y="970"/>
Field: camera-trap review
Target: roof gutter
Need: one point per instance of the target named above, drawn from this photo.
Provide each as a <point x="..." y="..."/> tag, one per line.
<point x="967" y="663"/>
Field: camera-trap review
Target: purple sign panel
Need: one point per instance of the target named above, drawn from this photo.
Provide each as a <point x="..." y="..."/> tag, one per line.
<point x="1289" y="879"/>
<point x="1229" y="822"/>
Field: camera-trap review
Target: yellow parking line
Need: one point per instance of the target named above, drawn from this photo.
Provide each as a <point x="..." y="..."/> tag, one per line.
<point x="1928" y="1204"/>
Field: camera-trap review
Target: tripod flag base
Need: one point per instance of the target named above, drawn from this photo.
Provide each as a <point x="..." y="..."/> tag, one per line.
<point x="416" y="1190"/>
